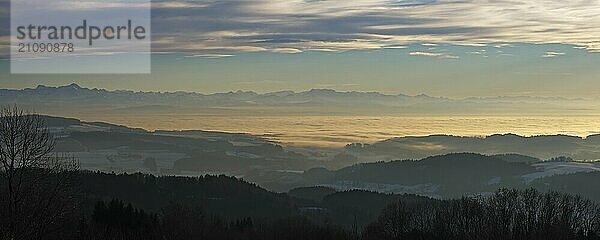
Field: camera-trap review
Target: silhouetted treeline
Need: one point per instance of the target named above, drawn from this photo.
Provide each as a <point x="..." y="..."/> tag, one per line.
<point x="117" y="220"/>
<point x="355" y="209"/>
<point x="507" y="214"/>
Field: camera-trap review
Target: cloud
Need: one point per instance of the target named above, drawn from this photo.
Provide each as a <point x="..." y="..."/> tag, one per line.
<point x="425" y="54"/>
<point x="176" y="4"/>
<point x="396" y="47"/>
<point x="338" y="85"/>
<point x="286" y="50"/>
<point x="552" y="54"/>
<point x="502" y="45"/>
<point x="478" y="52"/>
<point x="448" y="56"/>
<point x="340" y="25"/>
<point x="210" y="56"/>
<point x="434" y="54"/>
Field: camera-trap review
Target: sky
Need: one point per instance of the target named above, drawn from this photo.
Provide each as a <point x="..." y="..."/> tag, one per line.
<point x="440" y="48"/>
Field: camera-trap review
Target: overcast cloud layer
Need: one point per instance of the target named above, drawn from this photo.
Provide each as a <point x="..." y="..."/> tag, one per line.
<point x="292" y="26"/>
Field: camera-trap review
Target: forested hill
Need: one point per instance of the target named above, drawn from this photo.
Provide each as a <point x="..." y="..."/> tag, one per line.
<point x="448" y="176"/>
<point x="222" y="195"/>
<point x="451" y="175"/>
<point x="234" y="198"/>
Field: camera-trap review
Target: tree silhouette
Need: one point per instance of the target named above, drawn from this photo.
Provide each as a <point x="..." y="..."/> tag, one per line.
<point x="34" y="192"/>
<point x="507" y="214"/>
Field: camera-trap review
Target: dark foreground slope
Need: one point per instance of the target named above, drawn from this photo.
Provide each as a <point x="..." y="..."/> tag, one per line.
<point x="139" y="206"/>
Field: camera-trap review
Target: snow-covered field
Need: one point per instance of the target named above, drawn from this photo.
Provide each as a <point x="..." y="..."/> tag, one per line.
<point x="548" y="169"/>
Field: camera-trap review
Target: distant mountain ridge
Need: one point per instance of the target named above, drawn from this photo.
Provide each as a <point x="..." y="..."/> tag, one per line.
<point x="73" y="96"/>
<point x="74" y="90"/>
<point x="74" y="87"/>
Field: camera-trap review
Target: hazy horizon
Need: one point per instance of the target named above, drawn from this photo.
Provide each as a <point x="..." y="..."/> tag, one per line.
<point x="283" y="90"/>
<point x="392" y="71"/>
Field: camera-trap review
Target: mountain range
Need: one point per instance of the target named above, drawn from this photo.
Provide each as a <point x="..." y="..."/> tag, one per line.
<point x="57" y="100"/>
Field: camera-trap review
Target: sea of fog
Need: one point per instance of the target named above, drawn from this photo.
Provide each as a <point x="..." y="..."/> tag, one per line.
<point x="337" y="131"/>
